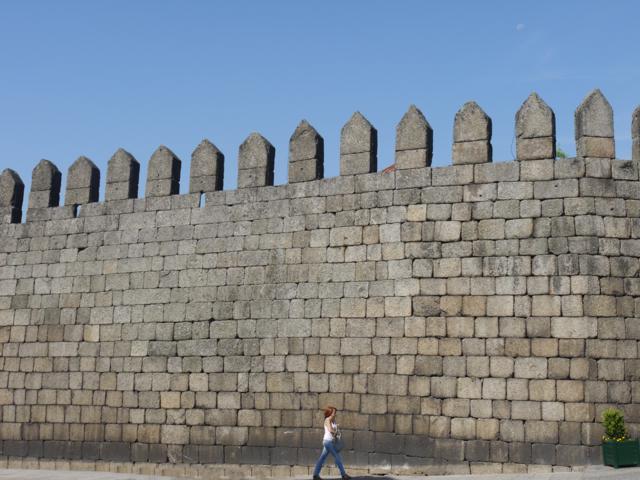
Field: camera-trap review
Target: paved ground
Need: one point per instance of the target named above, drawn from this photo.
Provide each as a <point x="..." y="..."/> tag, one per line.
<point x="10" y="474"/>
<point x="592" y="473"/>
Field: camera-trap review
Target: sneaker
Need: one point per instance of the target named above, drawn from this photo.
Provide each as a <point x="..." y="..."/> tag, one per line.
<point x="346" y="477"/>
<point x="316" y="477"/>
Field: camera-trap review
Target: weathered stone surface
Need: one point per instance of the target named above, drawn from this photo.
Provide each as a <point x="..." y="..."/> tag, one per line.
<point x="358" y="146"/>
<point x="11" y="196"/>
<point x="471" y="152"/>
<point x="163" y="173"/>
<point x="594" y="116"/>
<point x="256" y="159"/>
<point x="45" y="185"/>
<point x="471" y="124"/>
<point x="306" y="154"/>
<point x="123" y="175"/>
<point x="414" y="140"/>
<point x="535" y="130"/>
<point x="489" y="309"/>
<point x="207" y="168"/>
<point x="471" y="135"/>
<point x="83" y="182"/>
<point x="594" y="127"/>
<point x="11" y="189"/>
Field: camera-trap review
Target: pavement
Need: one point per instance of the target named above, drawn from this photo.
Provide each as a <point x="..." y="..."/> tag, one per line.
<point x="591" y="473"/>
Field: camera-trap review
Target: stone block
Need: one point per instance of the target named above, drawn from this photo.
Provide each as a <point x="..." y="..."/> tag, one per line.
<point x="487" y="428"/>
<point x="512" y="430"/>
<point x="428" y="365"/>
<point x="535" y="148"/>
<point x="477" y="450"/>
<point x="11" y="196"/>
<point x="414" y="140"/>
<point x="530" y="367"/>
<point x="494" y="388"/>
<point x="569" y="168"/>
<point x="520" y="228"/>
<point x="500" y="306"/>
<point x="45" y="185"/>
<point x="546" y="305"/>
<point x="535" y="130"/>
<point x="383" y="384"/>
<point x="501" y="367"/>
<point x="174" y="434"/>
<point x="594" y="120"/>
<point x="443" y="387"/>
<point x="304" y="170"/>
<point x="574" y="327"/>
<point x="609" y="369"/>
<point x="15" y="448"/>
<point x="480" y="192"/>
<point x="596" y="147"/>
<point x="469" y="388"/>
<point x="598" y="167"/>
<point x="544" y="347"/>
<point x="499" y="451"/>
<point x="83" y="182"/>
<point x="555" y="189"/>
<point x="570" y="455"/>
<point x="452" y="175"/>
<point x="358" y="146"/>
<point x="255" y="162"/>
<point x="412" y="159"/>
<point x="570" y="390"/>
<point x="599" y="305"/>
<point x="465" y="153"/>
<point x="158" y="453"/>
<point x="306" y="154"/>
<point x="537" y="170"/>
<point x="123" y="172"/>
<point x="449" y="449"/>
<point x="497" y="172"/>
<point x="447" y="231"/>
<point x="163" y="173"/>
<point x="597" y="187"/>
<point x="55" y="449"/>
<point x="471" y="124"/>
<point x="115" y="452"/>
<point x="491" y="229"/>
<point x="397" y="306"/>
<point x="207" y="168"/>
<point x="543" y="454"/>
<point x="357" y="163"/>
<point x="519" y="191"/>
<point x="520" y="452"/>
<point x="463" y="428"/>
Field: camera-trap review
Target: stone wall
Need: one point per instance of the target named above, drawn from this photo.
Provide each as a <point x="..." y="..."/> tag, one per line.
<point x="477" y="313"/>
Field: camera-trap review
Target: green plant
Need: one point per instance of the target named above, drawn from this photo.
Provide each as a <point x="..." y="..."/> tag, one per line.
<point x="614" y="428"/>
<point x="560" y="153"/>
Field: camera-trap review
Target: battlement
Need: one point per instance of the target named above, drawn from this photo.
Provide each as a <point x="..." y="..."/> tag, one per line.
<point x="535" y="140"/>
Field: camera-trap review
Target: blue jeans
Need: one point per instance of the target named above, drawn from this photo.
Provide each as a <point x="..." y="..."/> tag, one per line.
<point x="327" y="448"/>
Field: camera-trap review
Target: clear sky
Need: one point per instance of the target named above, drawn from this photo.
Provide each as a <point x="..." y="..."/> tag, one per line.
<point x="84" y="78"/>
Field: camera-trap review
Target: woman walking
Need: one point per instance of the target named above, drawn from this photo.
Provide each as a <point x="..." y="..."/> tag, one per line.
<point x="328" y="444"/>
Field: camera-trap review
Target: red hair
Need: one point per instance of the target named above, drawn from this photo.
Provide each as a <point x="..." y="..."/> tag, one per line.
<point x="328" y="411"/>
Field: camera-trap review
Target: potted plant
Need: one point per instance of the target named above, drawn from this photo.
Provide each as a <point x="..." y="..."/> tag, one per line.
<point x="618" y="450"/>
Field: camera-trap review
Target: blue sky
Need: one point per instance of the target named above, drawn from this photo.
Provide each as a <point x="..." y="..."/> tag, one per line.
<point x="85" y="78"/>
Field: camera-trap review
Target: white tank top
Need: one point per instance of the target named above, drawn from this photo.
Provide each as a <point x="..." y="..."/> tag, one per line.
<point x="327" y="433"/>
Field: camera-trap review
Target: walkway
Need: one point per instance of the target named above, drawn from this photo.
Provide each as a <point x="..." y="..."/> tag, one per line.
<point x="592" y="473"/>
